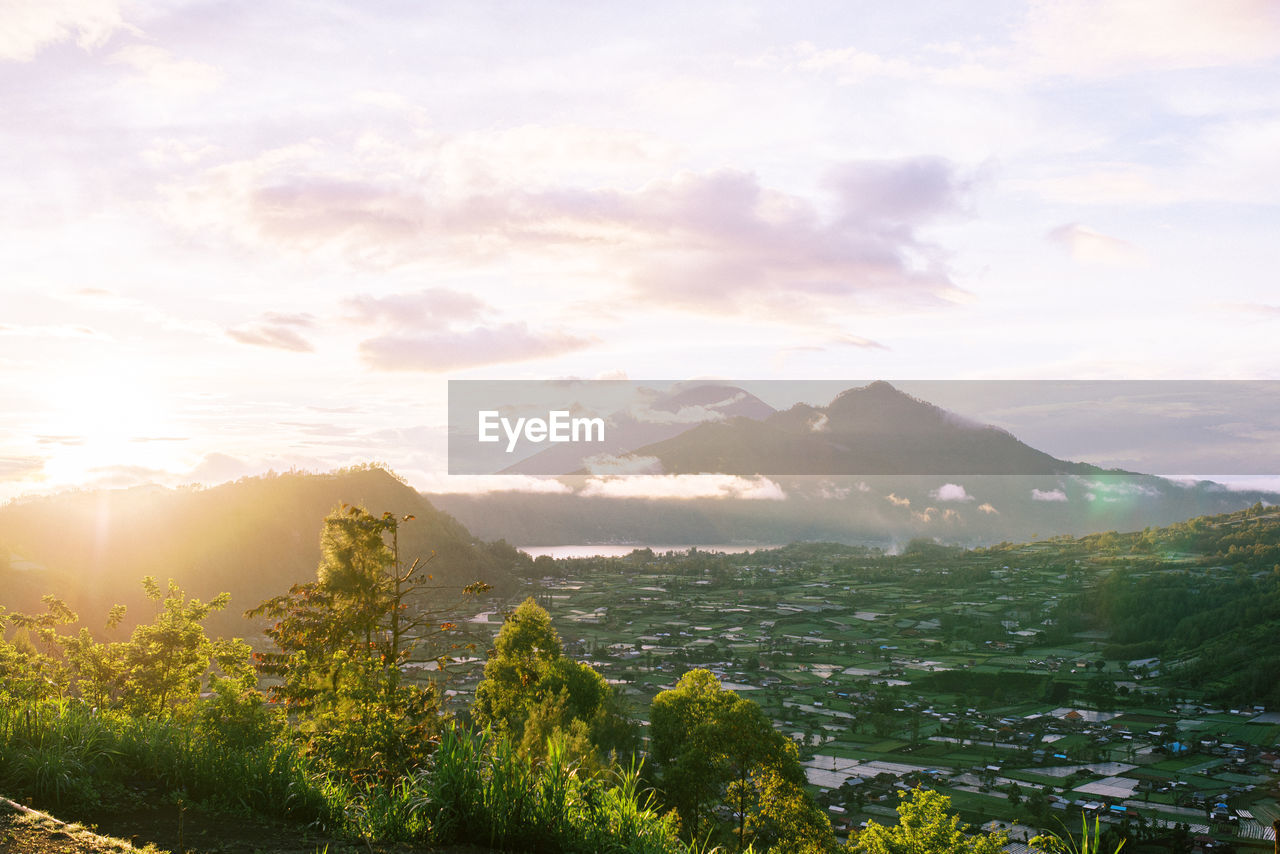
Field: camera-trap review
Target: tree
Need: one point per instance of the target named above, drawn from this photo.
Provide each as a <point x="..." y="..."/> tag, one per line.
<point x="160" y="669"/>
<point x="344" y="639"/>
<point x="707" y="743"/>
<point x="165" y="661"/>
<point x="925" y="827"/>
<point x="532" y="692"/>
<point x="784" y="819"/>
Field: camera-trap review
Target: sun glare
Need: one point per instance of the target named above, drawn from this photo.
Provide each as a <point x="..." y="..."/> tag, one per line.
<point x="103" y="418"/>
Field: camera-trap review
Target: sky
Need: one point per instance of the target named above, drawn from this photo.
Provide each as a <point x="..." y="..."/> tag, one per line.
<point x="241" y="236"/>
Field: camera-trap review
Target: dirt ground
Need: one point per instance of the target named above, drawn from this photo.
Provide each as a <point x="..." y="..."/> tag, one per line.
<point x="162" y="830"/>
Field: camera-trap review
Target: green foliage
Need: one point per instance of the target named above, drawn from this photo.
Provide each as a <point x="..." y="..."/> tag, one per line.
<point x="925" y="827"/>
<point x="342" y="642"/>
<point x="165" y="661"/>
<point x="782" y="818"/>
<point x="159" y="670"/>
<point x="481" y="790"/>
<point x="62" y="753"/>
<point x="1092" y="840"/>
<point x="532" y="693"/>
<point x="710" y="746"/>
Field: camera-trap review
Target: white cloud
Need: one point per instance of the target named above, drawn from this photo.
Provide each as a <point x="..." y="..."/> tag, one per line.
<point x="896" y="501"/>
<point x="625" y="464"/>
<point x="1107" y="37"/>
<point x="20" y="468"/>
<point x="431" y="308"/>
<point x="27" y="26"/>
<point x="685" y="486"/>
<point x="435" y="482"/>
<point x="448" y="349"/>
<point x="988" y="509"/>
<point x="951" y="492"/>
<point x="54" y="331"/>
<point x="162" y="70"/>
<point x="274" y="336"/>
<point x="276" y="330"/>
<point x="1088" y="247"/>
<point x="714" y="242"/>
<point x="1048" y="495"/>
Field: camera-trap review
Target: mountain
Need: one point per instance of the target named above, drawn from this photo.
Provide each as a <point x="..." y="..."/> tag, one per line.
<point x="653" y="418"/>
<point x="874" y="466"/>
<point x="254" y="538"/>
<point x="872" y="430"/>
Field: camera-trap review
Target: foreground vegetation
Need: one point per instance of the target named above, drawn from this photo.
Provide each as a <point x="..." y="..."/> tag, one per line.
<point x="345" y="744"/>
<point x="354" y="738"/>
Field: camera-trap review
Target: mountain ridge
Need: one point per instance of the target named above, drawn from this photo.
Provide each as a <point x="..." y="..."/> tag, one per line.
<point x="868" y="430"/>
<point x="254" y="538"/>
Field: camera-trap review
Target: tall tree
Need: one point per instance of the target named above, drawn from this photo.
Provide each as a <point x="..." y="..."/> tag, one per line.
<point x="532" y="692"/>
<point x="344" y="639"/>
<point x="710" y="745"/>
<point x="925" y="826"/>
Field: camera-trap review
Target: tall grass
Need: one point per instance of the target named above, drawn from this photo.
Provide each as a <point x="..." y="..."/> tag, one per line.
<point x="481" y="790"/>
<point x="478" y="789"/>
<point x="62" y="753"/>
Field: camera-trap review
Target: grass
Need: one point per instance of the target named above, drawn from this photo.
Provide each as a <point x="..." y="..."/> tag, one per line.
<point x="62" y="753"/>
<point x="478" y="789"/>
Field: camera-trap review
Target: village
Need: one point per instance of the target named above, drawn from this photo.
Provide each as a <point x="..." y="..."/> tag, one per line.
<point x="945" y="670"/>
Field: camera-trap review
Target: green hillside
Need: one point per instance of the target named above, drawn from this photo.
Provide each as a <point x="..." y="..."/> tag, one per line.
<point x="254" y="538"/>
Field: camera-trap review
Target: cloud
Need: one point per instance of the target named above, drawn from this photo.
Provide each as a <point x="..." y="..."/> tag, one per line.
<point x="219" y="468"/>
<point x="1251" y="308"/>
<point x="684" y="486"/>
<point x="1103" y="37"/>
<point x="455" y="349"/>
<point x="65" y="440"/>
<point x="433" y="308"/>
<point x="27" y="26"/>
<point x="831" y="491"/>
<point x="20" y="468"/>
<point x="711" y="242"/>
<point x="896" y="501"/>
<point x="988" y="509"/>
<point x="272" y="332"/>
<point x="951" y="492"/>
<point x="849" y="64"/>
<point x="925" y="515"/>
<point x="625" y="464"/>
<point x="65" y="330"/>
<point x="643" y="411"/>
<point x="1087" y="247"/>
<point x="722" y="242"/>
<point x="1048" y="495"/>
<point x="162" y="70"/>
<point x="302" y="319"/>
<point x="434" y="482"/>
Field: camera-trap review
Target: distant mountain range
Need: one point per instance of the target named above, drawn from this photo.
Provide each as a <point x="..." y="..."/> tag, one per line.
<point x="875" y="465"/>
<point x="923" y="472"/>
<point x="872" y="430"/>
<point x="662" y="417"/>
<point x="717" y="428"/>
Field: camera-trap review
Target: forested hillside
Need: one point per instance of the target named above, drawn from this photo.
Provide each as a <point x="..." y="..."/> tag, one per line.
<point x="1203" y="596"/>
<point x="253" y="538"/>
